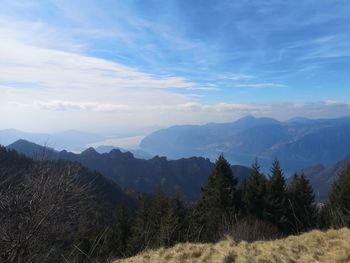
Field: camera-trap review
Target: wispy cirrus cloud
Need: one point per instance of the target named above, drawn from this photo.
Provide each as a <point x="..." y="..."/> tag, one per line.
<point x="58" y="69"/>
<point x="260" y="85"/>
<point x="238" y="77"/>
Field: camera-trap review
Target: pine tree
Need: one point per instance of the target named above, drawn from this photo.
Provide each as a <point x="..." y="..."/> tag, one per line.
<point x="174" y="225"/>
<point x="218" y="201"/>
<point x="141" y="230"/>
<point x="303" y="212"/>
<point x="277" y="212"/>
<point x="339" y="199"/>
<point x="159" y="214"/>
<point x="254" y="192"/>
<point x="118" y="236"/>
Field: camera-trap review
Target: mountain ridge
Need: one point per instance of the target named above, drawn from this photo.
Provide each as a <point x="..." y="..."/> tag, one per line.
<point x="297" y="143"/>
<point x="185" y="175"/>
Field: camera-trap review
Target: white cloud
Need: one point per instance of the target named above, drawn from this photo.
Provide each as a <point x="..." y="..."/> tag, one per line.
<point x="239" y="77"/>
<point x="260" y="85"/>
<point x="333" y="103"/>
<point x="218" y="107"/>
<point x="47" y="82"/>
<point x="64" y="70"/>
<point x="71" y="105"/>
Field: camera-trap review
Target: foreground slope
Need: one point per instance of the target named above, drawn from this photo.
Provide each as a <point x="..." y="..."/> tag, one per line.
<point x="316" y="246"/>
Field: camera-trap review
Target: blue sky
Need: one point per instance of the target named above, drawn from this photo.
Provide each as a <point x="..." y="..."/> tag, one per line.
<point x="133" y="64"/>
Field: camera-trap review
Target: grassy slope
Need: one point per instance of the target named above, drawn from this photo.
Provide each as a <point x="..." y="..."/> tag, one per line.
<point x="315" y="246"/>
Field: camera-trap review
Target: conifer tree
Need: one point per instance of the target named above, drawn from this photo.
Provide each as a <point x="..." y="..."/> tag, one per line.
<point x="339" y="199"/>
<point x="141" y="230"/>
<point x="177" y="222"/>
<point x="303" y="213"/>
<point x="119" y="234"/>
<point x="277" y="212"/>
<point x="218" y="201"/>
<point x="159" y="219"/>
<point x="254" y="192"/>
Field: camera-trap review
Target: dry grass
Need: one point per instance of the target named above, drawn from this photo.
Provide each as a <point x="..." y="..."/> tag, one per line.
<point x="316" y="246"/>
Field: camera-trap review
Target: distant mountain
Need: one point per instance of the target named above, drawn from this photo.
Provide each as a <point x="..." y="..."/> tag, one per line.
<point x="183" y="175"/>
<point x="139" y="154"/>
<point x="322" y="178"/>
<point x="33" y="150"/>
<point x="71" y="140"/>
<point x="297" y="143"/>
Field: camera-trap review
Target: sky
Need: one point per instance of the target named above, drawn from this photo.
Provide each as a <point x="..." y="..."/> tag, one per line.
<point x="134" y="66"/>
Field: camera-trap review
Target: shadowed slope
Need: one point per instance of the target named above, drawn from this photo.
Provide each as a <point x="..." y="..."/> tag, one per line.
<point x="184" y="175"/>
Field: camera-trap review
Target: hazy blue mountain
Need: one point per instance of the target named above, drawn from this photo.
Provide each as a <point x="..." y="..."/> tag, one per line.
<point x="139" y="154"/>
<point x="33" y="150"/>
<point x="71" y="140"/>
<point x="322" y="178"/>
<point x="297" y="143"/>
<point x="183" y="175"/>
<point x="11" y="135"/>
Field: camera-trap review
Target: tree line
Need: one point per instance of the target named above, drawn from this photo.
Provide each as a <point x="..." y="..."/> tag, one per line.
<point x="259" y="208"/>
<point x="49" y="214"/>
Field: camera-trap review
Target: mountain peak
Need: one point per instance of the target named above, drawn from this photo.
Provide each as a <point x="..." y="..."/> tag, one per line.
<point x="24" y="143"/>
<point x="31" y="149"/>
<point x="89" y="150"/>
<point x="247" y="118"/>
<point x="21" y="141"/>
<point x="298" y="119"/>
<point x="251" y="120"/>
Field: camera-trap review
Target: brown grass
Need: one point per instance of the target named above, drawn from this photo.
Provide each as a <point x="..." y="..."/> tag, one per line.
<point x="316" y="246"/>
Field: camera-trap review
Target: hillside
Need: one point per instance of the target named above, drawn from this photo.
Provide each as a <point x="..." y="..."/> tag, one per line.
<point x="15" y="168"/>
<point x="46" y="205"/>
<point x="297" y="143"/>
<point x="184" y="175"/>
<point x="329" y="247"/>
<point x="322" y="178"/>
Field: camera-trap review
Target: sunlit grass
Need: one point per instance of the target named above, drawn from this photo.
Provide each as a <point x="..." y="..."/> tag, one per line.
<point x="315" y="246"/>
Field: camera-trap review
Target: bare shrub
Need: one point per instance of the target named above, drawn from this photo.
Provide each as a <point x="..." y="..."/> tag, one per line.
<point x="38" y="211"/>
<point x="334" y="217"/>
<point x="252" y="229"/>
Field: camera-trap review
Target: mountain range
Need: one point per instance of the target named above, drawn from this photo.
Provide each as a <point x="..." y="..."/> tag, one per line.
<point x="185" y="175"/>
<point x="72" y="140"/>
<point x="139" y="154"/>
<point x="297" y="143"/>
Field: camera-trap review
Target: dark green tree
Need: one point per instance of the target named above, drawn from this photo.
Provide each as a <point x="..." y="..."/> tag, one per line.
<point x="303" y="212"/>
<point x="159" y="218"/>
<point x="141" y="229"/>
<point x="254" y="192"/>
<point x="277" y="211"/>
<point x="339" y="200"/>
<point x="173" y="228"/>
<point x="217" y="203"/>
<point x="118" y="236"/>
